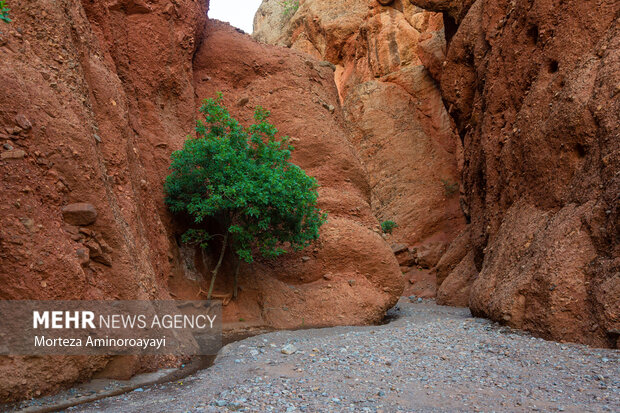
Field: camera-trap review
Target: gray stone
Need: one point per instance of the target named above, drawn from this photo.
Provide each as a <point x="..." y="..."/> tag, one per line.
<point x="288" y="349"/>
<point x="327" y="64"/>
<point x="28" y="223"/>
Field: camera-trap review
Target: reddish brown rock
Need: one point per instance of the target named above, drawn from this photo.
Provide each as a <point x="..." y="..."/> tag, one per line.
<point x="399" y="248"/>
<point x="406" y="258"/>
<point x="399" y="125"/>
<point x="455" y="289"/>
<point x="456" y="251"/>
<point x="420" y="282"/>
<point x="536" y="107"/>
<point x="432" y="52"/>
<point x="61" y="83"/>
<point x="79" y="214"/>
<point x="23" y="122"/>
<point x="429" y="253"/>
<point x="110" y="90"/>
<point x="294" y="292"/>
<point x="454" y="9"/>
<point x="536" y="263"/>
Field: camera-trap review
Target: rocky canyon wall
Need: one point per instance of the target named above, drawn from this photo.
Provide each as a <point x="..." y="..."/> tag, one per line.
<point x="394" y="111"/>
<point x="94" y="98"/>
<point x="534" y="89"/>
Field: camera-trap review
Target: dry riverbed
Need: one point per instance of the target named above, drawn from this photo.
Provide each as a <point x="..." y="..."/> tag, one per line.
<point x="431" y="358"/>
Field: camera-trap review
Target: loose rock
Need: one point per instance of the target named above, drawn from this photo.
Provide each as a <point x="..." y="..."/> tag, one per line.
<point x="79" y="214"/>
<point x="288" y="349"/>
<point x="13" y="154"/>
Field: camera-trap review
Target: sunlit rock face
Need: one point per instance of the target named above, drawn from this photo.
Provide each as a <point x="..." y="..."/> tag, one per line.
<point x="392" y="107"/>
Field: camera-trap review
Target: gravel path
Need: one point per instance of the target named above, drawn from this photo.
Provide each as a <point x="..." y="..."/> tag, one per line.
<point x="432" y="358"/>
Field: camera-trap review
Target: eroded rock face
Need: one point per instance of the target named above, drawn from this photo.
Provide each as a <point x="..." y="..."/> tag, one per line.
<point x="303" y="100"/>
<point x="537" y="105"/>
<point x="456" y="288"/>
<point x="95" y="96"/>
<point x="392" y="106"/>
<point x="455" y="9"/>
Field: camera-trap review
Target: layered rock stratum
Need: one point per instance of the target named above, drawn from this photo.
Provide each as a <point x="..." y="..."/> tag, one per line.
<point x="393" y="107"/>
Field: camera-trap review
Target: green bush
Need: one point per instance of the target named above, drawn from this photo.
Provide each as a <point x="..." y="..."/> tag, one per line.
<point x="450" y="188"/>
<point x="4" y="12"/>
<point x="242" y="178"/>
<point x="290" y="7"/>
<point x="388" y="226"/>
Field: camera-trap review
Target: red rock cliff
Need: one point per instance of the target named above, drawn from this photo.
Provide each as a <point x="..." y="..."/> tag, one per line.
<point x="94" y="98"/>
<point x="394" y="110"/>
<point x="534" y="88"/>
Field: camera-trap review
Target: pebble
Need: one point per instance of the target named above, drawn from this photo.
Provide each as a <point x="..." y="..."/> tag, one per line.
<point x="430" y="358"/>
<point x="288" y="349"/>
<point x="13" y="154"/>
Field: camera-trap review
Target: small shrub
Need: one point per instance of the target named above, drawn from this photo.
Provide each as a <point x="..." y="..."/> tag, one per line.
<point x="450" y="188"/>
<point x="4" y="12"/>
<point x="388" y="226"/>
<point x="290" y="7"/>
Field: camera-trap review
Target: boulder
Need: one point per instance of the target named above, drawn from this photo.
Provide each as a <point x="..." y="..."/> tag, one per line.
<point x="456" y="288"/>
<point x="404" y="255"/>
<point x="23" y="122"/>
<point x="79" y="214"/>
<point x="454" y="254"/>
<point x="13" y="154"/>
<point x="429" y="254"/>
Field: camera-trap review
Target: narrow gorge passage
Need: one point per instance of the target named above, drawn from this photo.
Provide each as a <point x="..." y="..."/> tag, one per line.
<point x="430" y="359"/>
<point x="466" y="154"/>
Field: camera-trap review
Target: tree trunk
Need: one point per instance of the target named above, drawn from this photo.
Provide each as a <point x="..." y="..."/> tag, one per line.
<point x="217" y="267"/>
<point x="236" y="284"/>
